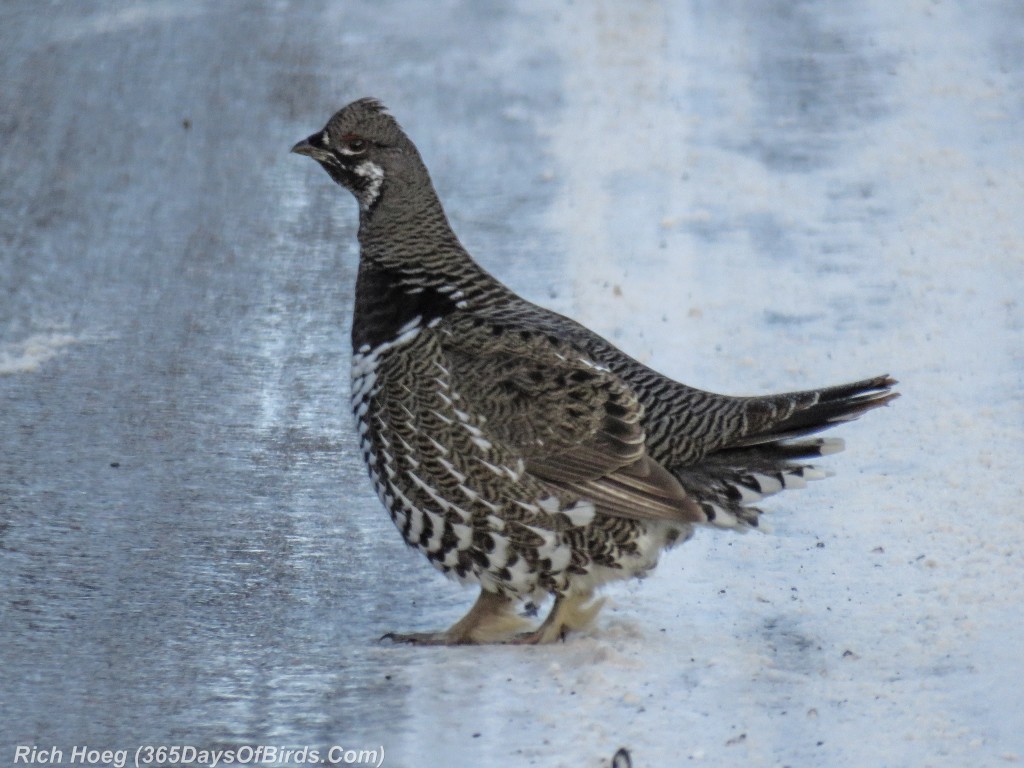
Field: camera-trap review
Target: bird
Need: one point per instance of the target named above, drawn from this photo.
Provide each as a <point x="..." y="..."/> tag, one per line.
<point x="516" y="449"/>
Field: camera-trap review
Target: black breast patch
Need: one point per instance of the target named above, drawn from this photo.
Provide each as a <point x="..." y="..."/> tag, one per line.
<point x="387" y="301"/>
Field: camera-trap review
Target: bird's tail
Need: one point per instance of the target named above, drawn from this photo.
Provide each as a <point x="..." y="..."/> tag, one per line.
<point x="771" y="456"/>
<point x="803" y="413"/>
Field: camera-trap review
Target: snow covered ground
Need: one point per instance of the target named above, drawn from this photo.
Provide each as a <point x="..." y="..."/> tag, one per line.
<point x="751" y="197"/>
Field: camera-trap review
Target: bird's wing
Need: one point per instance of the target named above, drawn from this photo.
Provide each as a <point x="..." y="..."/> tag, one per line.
<point x="576" y="425"/>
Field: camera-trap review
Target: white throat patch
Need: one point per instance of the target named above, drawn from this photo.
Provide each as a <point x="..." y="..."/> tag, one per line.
<point x="375" y="175"/>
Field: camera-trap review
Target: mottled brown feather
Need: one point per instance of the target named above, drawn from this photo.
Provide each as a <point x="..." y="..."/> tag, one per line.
<point x="590" y="444"/>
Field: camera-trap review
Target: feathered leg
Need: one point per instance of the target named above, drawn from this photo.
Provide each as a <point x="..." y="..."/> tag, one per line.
<point x="574" y="612"/>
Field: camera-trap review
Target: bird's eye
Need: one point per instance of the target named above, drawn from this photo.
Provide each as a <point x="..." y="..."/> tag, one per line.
<point x="354" y="145"/>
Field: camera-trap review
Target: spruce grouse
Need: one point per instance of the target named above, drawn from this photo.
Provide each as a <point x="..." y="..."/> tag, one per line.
<point x="515" y="448"/>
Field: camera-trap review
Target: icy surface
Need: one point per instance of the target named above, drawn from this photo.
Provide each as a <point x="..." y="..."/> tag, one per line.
<point x="751" y="197"/>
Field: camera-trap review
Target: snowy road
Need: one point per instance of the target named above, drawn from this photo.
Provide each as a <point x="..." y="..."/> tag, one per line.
<point x="750" y="197"/>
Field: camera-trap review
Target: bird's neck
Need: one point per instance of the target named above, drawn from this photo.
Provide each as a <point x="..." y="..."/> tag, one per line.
<point x="412" y="241"/>
<point x="412" y="268"/>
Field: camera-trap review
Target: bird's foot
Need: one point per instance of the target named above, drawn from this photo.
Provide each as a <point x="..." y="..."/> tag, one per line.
<point x="490" y="620"/>
<point x="568" y="613"/>
<point x="424" y="638"/>
<point x="540" y="636"/>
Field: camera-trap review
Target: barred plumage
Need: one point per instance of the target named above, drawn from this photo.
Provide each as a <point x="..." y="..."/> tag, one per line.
<point x="512" y="446"/>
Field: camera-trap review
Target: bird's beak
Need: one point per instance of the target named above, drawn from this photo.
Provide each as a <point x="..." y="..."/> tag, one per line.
<point x="305" y="147"/>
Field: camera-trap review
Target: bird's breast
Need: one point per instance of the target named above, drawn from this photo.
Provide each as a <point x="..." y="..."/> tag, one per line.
<point x="455" y="495"/>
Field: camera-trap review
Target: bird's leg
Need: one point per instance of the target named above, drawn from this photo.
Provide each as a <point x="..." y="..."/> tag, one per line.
<point x="573" y="612"/>
<point x="490" y="620"/>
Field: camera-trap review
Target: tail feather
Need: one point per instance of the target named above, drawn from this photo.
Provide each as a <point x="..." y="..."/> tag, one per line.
<point x="769" y="458"/>
<point x="814" y="411"/>
<point x="727" y="484"/>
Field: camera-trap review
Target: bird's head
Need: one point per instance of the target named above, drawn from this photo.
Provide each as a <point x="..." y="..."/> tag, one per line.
<point x="362" y="147"/>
